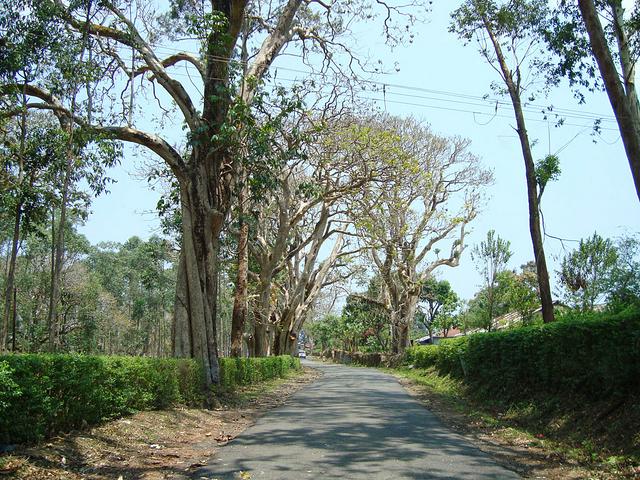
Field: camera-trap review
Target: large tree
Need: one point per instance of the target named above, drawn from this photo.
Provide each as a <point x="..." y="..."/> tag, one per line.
<point x="125" y="39"/>
<point x="507" y="37"/>
<point x="431" y="191"/>
<point x="491" y="257"/>
<point x="600" y="36"/>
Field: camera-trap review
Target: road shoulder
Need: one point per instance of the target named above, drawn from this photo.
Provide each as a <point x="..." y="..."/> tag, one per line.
<point x="526" y="454"/>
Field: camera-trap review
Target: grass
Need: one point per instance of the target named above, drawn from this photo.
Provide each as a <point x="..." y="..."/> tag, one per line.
<point x="603" y="435"/>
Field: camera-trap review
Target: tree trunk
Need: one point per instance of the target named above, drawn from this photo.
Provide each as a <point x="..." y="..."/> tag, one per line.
<point x="625" y="106"/>
<point x="196" y="292"/>
<point x="406" y="313"/>
<point x="239" y="315"/>
<point x="8" y="294"/>
<point x="262" y="315"/>
<point x="58" y="258"/>
<point x="534" y="217"/>
<point x="532" y="188"/>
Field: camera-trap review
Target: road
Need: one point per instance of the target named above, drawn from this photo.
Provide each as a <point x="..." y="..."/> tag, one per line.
<point x="352" y="423"/>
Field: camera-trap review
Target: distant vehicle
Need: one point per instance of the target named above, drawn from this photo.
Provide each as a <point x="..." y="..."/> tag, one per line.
<point x="302" y="354"/>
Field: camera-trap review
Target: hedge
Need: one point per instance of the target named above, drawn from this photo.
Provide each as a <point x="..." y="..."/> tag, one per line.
<point x="596" y="355"/>
<point x="41" y="395"/>
<point x="245" y="371"/>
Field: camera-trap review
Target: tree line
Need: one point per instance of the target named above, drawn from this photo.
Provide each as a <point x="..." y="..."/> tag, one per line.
<point x="264" y="179"/>
<point x="599" y="274"/>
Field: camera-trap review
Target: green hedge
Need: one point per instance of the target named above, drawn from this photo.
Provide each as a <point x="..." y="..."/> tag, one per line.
<point x="41" y="395"/>
<point x="596" y="355"/>
<point x="245" y="371"/>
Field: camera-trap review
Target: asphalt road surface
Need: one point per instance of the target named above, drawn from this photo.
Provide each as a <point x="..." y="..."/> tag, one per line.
<point x="352" y="423"/>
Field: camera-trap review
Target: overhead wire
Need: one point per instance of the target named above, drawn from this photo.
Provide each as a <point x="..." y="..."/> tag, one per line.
<point x="548" y="110"/>
<point x="496" y="105"/>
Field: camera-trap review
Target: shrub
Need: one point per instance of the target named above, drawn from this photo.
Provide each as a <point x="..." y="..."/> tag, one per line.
<point x="41" y="395"/>
<point x="596" y="355"/>
<point x="244" y="371"/>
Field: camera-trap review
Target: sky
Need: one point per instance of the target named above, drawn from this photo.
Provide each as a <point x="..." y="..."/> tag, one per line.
<point x="441" y="82"/>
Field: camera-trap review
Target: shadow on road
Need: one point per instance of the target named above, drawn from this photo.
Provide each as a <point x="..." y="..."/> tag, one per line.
<point x="352" y="423"/>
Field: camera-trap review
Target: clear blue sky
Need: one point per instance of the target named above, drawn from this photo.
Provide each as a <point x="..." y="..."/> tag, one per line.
<point x="595" y="191"/>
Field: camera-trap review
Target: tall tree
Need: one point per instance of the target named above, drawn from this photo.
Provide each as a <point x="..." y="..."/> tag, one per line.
<point x="507" y="36"/>
<point x="128" y="48"/>
<point x="589" y="30"/>
<point x="491" y="257"/>
<point x="585" y="272"/>
<point x="430" y="192"/>
<point x="439" y="300"/>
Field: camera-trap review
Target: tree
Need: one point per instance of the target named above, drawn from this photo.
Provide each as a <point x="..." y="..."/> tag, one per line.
<point x="440" y="302"/>
<point x="430" y="191"/>
<point x="126" y="50"/>
<point x="522" y="293"/>
<point x="491" y="257"/>
<point x="326" y="331"/>
<point x="584" y="273"/>
<point x="488" y="304"/>
<point x="624" y="280"/>
<point x="507" y="35"/>
<point x="578" y="36"/>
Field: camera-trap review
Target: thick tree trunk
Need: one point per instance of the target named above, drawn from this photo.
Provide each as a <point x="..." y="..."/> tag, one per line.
<point x="181" y="334"/>
<point x="532" y="187"/>
<point x="239" y="315"/>
<point x="406" y="312"/>
<point x="285" y="329"/>
<point x="263" y="312"/>
<point x="196" y="293"/>
<point x="624" y="104"/>
<point x="11" y="274"/>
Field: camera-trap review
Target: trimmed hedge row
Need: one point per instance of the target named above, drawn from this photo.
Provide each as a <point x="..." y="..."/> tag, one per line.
<point x="596" y="355"/>
<point x="245" y="371"/>
<point x="370" y="359"/>
<point x="41" y="394"/>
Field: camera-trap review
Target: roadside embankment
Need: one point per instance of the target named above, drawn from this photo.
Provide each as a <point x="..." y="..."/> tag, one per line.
<point x="570" y="387"/>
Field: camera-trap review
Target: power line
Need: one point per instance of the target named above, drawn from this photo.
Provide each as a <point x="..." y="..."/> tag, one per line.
<point x="549" y="110"/>
<point x="484" y="104"/>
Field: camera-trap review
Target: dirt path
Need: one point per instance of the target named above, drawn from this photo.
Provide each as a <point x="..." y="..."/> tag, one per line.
<point x="149" y="445"/>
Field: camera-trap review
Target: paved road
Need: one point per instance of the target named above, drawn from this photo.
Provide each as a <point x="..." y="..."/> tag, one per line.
<point x="353" y="423"/>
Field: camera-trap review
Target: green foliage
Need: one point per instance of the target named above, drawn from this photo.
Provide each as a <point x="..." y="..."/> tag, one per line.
<point x="547" y="169"/>
<point x="363" y="326"/>
<point x="584" y="273"/>
<point x="623" y="285"/>
<point x="440" y="302"/>
<point x="45" y="394"/>
<point x="491" y="257"/>
<point x="326" y="331"/>
<point x="595" y="355"/>
<point x="41" y="395"/>
<point x="245" y="371"/>
<point x="445" y="356"/>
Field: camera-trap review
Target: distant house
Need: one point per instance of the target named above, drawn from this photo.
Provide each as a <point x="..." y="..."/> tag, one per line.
<point x="512" y="319"/>
<point x="428" y="340"/>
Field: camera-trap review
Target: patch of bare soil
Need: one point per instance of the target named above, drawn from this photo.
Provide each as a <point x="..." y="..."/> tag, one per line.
<point x="522" y="453"/>
<point x="155" y="445"/>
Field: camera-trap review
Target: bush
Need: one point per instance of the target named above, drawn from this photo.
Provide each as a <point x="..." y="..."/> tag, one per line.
<point x="41" y="395"/>
<point x="245" y="371"/>
<point x="596" y="355"/>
